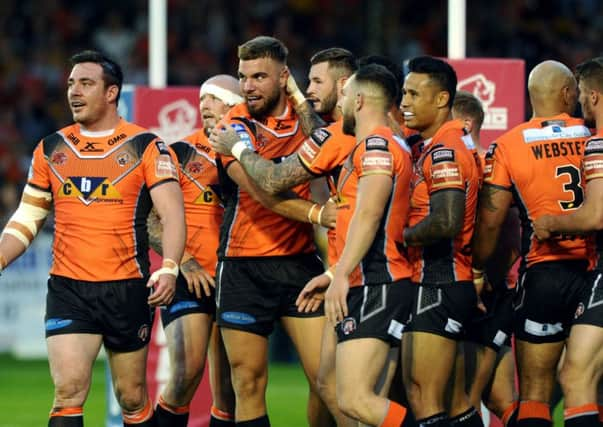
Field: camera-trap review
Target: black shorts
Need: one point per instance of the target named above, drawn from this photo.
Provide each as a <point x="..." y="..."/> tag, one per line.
<point x="493" y="328"/>
<point x="443" y="310"/>
<point x="590" y="308"/>
<point x="547" y="298"/>
<point x="379" y="311"/>
<point x="117" y="310"/>
<point x="186" y="302"/>
<point x="254" y="292"/>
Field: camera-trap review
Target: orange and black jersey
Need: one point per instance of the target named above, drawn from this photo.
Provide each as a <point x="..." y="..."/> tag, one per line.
<point x="100" y="186"/>
<point x="202" y="198"/>
<point x="539" y="162"/>
<point x="445" y="163"/>
<point x="380" y="153"/>
<point x="592" y="168"/>
<point x="249" y="229"/>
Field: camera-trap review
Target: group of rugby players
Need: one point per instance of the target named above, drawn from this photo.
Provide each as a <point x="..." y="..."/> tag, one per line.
<point x="412" y="319"/>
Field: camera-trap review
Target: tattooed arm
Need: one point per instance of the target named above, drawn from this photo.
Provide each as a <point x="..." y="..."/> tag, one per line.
<point x="494" y="203"/>
<point x="445" y="219"/>
<point x="308" y="118"/>
<point x="155" y="229"/>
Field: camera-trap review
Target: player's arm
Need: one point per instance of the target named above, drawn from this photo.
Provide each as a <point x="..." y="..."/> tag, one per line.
<point x="494" y="203"/>
<point x="588" y="217"/>
<point x="308" y="118"/>
<point x="444" y="221"/>
<point x="287" y="205"/>
<point x="272" y="177"/>
<point x="25" y="224"/>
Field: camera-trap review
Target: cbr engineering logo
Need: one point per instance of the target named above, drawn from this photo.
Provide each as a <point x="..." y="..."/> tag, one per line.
<point x="90" y="189"/>
<point x="496" y="118"/>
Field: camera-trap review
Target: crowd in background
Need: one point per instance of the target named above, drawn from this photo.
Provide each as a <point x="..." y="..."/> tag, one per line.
<point x="38" y="37"/>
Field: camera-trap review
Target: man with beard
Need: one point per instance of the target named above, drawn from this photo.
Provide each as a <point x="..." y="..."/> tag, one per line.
<point x="98" y="288"/>
<point x="581" y="369"/>
<point x="264" y="258"/>
<point x="368" y="296"/>
<point x="188" y="319"/>
<point x="536" y="165"/>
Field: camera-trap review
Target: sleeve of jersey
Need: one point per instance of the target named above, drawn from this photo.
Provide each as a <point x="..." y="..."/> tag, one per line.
<point x="244" y="134"/>
<point x="592" y="164"/>
<point x="374" y="158"/>
<point x="495" y="167"/>
<point x="319" y="152"/>
<point x="159" y="164"/>
<point x="444" y="169"/>
<point x="38" y="170"/>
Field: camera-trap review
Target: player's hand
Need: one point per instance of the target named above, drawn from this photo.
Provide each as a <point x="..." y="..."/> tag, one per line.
<point x="293" y="91"/>
<point x="164" y="290"/>
<point x="542" y="227"/>
<point x="336" y="305"/>
<point x="198" y="280"/>
<point x="313" y="294"/>
<point x="222" y="139"/>
<point x="329" y="214"/>
<point x="479" y="282"/>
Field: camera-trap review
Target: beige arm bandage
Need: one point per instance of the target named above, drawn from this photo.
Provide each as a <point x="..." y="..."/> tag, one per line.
<point x="34" y="207"/>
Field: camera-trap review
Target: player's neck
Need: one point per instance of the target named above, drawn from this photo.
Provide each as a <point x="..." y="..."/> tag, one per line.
<point x="366" y="126"/>
<point x="280" y="109"/>
<point x="336" y="114"/>
<point x="441" y="118"/>
<point x="107" y="122"/>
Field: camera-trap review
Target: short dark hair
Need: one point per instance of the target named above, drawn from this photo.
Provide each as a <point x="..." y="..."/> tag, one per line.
<point x="591" y="72"/>
<point x="441" y="72"/>
<point x="338" y="58"/>
<point x="379" y="75"/>
<point x="112" y="74"/>
<point x="263" y="47"/>
<point x="392" y="67"/>
<point x="467" y="104"/>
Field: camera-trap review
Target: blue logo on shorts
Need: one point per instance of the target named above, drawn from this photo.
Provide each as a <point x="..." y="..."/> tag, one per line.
<point x="238" y="318"/>
<point x="54" y="324"/>
<point x="183" y="305"/>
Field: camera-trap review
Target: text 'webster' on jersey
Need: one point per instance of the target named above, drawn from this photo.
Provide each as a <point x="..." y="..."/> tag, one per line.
<point x="249" y="229"/>
<point x="539" y="162"/>
<point x="384" y="154"/>
<point x="445" y="164"/>
<point x="100" y="187"/>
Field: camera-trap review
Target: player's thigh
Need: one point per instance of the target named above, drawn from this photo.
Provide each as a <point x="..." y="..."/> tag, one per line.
<point x="128" y="372"/>
<point x="502" y="392"/>
<point x="187" y="339"/>
<point x="70" y="357"/>
<point x="359" y="363"/>
<point x="427" y="360"/>
<point x="219" y="372"/>
<point x="536" y="368"/>
<point x="306" y="335"/>
<point x="247" y="354"/>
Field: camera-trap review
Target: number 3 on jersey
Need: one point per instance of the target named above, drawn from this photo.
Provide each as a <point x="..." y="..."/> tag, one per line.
<point x="573" y="186"/>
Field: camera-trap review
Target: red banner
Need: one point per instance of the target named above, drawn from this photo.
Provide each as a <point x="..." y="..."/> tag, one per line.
<point x="500" y="85"/>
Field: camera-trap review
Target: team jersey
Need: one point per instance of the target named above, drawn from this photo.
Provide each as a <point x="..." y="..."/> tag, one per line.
<point x="384" y="154"/>
<point x="323" y="154"/>
<point x="202" y="198"/>
<point x="539" y="162"/>
<point x="101" y="190"/>
<point x="592" y="168"/>
<point x="445" y="163"/>
<point x="249" y="229"/>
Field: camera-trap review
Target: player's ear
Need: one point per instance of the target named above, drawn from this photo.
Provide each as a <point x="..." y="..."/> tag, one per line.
<point x="595" y="97"/>
<point x="442" y="99"/>
<point x="111" y="93"/>
<point x="468" y="124"/>
<point x="283" y="76"/>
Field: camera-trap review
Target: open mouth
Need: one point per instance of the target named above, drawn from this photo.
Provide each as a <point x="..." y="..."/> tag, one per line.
<point x="253" y="100"/>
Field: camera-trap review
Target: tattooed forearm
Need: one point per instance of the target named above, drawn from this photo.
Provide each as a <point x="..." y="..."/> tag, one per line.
<point x="485" y="197"/>
<point x="154" y="229"/>
<point x="308" y="118"/>
<point x="274" y="177"/>
<point x="445" y="219"/>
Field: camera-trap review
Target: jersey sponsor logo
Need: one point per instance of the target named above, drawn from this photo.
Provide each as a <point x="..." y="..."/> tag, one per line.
<point x="542" y="329"/>
<point x="58" y="158"/>
<point x="123" y="159"/>
<point x="74" y="139"/>
<point x="377" y="162"/>
<point x="280" y="125"/>
<point x="202" y="147"/>
<point x="164" y="167"/>
<point x="348" y="325"/>
<point x="442" y="156"/>
<point x="453" y="326"/>
<point x="207" y="197"/>
<point x="89" y="188"/>
<point x="183" y="305"/>
<point x="446" y="175"/>
<point x="114" y="140"/>
<point x="308" y="151"/>
<point x="238" y="318"/>
<point x="320" y="136"/>
<point x="56" y="323"/>
<point x="592" y="165"/>
<point x="243" y="135"/>
<point x="376" y="143"/>
<point x="593" y="146"/>
<point x="91" y="147"/>
<point x="547" y="133"/>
